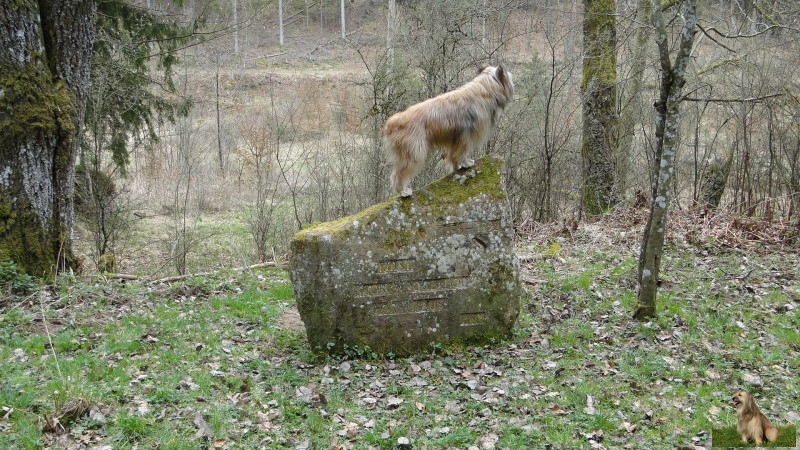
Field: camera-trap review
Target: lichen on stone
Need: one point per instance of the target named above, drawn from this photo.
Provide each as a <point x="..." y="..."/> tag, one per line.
<point x="436" y="267"/>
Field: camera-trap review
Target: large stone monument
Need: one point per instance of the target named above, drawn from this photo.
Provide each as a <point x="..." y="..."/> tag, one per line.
<point x="438" y="267"/>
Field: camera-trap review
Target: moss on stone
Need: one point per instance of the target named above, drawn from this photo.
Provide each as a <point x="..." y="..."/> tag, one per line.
<point x="344" y="225"/>
<point x="397" y="238"/>
<point x="483" y="178"/>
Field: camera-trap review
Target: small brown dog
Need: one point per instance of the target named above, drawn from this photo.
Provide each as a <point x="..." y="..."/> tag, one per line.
<point x="750" y="422"/>
<point x="458" y="122"/>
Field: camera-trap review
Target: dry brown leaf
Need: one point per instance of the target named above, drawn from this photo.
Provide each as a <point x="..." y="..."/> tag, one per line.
<point x="149" y="338"/>
<point x="589" y="409"/>
<point x="303" y="394"/>
<point x="350" y="430"/>
<point x="203" y="428"/>
<point x="488" y="442"/>
<point x="752" y="380"/>
<point x="142" y="407"/>
<point x="557" y="410"/>
<point x="393" y="402"/>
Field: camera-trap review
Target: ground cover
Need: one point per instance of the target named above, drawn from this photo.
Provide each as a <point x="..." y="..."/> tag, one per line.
<point x="221" y="361"/>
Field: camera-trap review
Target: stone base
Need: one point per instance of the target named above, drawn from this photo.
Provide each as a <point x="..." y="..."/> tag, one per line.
<point x="438" y="267"/>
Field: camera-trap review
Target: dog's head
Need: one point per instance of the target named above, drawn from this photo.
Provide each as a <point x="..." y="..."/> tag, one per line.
<point x="742" y="400"/>
<point x="503" y="77"/>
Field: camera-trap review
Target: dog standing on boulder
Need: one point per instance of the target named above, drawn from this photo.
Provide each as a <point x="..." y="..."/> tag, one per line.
<point x="458" y="121"/>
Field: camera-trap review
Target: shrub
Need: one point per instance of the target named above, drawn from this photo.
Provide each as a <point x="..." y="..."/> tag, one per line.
<point x="14" y="281"/>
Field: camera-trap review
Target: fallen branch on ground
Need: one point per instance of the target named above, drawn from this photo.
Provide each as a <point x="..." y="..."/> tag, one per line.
<point x="127" y="277"/>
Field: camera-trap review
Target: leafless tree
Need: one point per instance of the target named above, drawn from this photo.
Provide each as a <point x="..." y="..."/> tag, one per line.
<point x="673" y="78"/>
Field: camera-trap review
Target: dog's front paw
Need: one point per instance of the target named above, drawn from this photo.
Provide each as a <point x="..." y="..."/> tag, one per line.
<point x="406" y="192"/>
<point x="467" y="163"/>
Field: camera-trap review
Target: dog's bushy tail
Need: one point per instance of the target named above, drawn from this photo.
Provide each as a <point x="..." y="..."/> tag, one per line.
<point x="771" y="433"/>
<point x="406" y="154"/>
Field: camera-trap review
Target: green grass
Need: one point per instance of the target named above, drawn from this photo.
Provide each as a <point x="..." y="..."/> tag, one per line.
<point x="728" y="437"/>
<point x="150" y="360"/>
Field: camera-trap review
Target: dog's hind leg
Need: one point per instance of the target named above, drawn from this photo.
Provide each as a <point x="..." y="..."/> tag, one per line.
<point x="408" y="160"/>
<point x="400" y="180"/>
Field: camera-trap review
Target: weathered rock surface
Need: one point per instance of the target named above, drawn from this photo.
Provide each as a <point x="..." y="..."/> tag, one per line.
<point x="438" y="267"/>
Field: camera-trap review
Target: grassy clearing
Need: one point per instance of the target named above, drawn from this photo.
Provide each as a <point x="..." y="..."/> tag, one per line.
<point x="728" y="437"/>
<point x="221" y="361"/>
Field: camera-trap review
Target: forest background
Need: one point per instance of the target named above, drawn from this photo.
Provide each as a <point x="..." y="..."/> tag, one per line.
<point x="272" y="121"/>
<point x="280" y="136"/>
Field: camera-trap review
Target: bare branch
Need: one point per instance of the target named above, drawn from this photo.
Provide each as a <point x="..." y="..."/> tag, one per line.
<point x="661" y="39"/>
<point x="715" y="41"/>
<point x="667" y="4"/>
<point x="741" y="36"/>
<point x="732" y="100"/>
<point x="128" y="277"/>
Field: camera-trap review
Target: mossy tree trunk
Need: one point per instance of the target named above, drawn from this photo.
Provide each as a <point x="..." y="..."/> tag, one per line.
<point x="45" y="54"/>
<point x="667" y="115"/>
<point x="715" y="178"/>
<point x="600" y="118"/>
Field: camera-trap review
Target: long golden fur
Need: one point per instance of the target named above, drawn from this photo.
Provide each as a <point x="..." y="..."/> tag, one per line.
<point x="458" y="121"/>
<point x="750" y="422"/>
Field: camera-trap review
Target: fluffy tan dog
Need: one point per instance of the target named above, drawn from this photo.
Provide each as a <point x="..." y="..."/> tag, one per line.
<point x="750" y="422"/>
<point x="458" y="121"/>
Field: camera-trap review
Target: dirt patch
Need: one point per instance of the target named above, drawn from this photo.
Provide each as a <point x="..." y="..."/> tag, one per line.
<point x="290" y="319"/>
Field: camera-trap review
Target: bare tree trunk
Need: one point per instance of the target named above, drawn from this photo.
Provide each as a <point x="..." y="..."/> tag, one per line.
<point x="235" y="28"/>
<point x="391" y="24"/>
<point x="667" y="115"/>
<point x="45" y="54"/>
<point x="484" y="37"/>
<point x="344" y="34"/>
<point x="219" y="123"/>
<point x="631" y="110"/>
<point x="280" y="22"/>
<point x="600" y="120"/>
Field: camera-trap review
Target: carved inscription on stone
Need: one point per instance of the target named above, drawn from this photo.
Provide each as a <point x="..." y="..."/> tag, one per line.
<point x="397" y="265"/>
<point x="414" y="289"/>
<point x="410" y="272"/>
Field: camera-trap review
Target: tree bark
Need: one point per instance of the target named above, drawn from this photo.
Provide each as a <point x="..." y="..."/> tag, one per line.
<point x="45" y="54"/>
<point x="600" y="119"/>
<point x="344" y="34"/>
<point x="667" y="115"/>
<point x="715" y="178"/>
<point x="632" y="106"/>
<point x="280" y="22"/>
<point x="391" y="25"/>
<point x="235" y="27"/>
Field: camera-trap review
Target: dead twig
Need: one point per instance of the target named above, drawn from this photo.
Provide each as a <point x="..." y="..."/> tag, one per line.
<point x="738" y="277"/>
<point x="128" y="277"/>
<point x="531" y="281"/>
